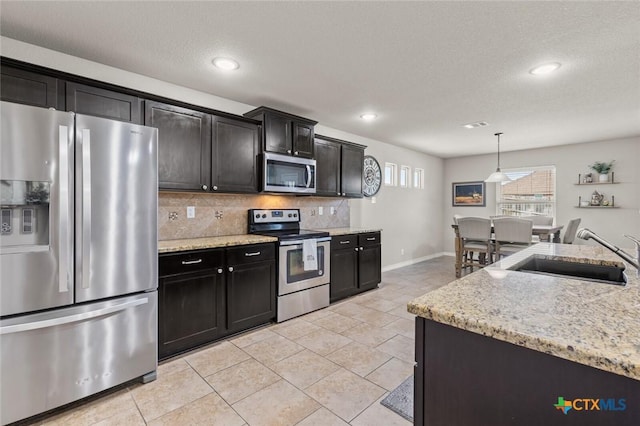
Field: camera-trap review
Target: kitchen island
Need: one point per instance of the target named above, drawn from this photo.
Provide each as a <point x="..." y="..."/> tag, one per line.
<point x="501" y="346"/>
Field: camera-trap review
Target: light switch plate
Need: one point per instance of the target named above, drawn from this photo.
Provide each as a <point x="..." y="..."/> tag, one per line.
<point x="191" y="212"/>
<point x="320" y="210"/>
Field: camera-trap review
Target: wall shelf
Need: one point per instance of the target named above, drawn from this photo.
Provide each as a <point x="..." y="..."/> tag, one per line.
<point x="597" y="207"/>
<point x="612" y="181"/>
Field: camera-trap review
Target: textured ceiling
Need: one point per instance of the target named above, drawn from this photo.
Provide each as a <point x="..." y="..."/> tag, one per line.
<point x="426" y="68"/>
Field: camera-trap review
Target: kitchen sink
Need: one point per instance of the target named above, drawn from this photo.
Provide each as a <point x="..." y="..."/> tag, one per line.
<point x="608" y="274"/>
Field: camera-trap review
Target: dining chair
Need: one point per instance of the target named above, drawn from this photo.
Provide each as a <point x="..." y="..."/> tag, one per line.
<point x="475" y="233"/>
<point x="511" y="235"/>
<point x="456" y="217"/>
<point x="539" y="220"/>
<point x="570" y="233"/>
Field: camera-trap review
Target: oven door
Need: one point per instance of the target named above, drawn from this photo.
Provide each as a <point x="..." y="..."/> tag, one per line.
<point x="283" y="173"/>
<point x="292" y="276"/>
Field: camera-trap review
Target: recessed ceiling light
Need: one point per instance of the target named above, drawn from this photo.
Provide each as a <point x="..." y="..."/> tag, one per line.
<point x="369" y="116"/>
<point x="545" y="68"/>
<point x="226" y="64"/>
<point x="475" y="125"/>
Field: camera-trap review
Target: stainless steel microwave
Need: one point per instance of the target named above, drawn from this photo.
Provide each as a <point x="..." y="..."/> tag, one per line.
<point x="283" y="173"/>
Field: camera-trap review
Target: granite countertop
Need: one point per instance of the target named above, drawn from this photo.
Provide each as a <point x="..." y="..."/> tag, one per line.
<point x="344" y="231"/>
<point x="169" y="246"/>
<point x="594" y="324"/>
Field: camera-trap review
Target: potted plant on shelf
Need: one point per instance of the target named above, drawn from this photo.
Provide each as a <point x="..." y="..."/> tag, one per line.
<point x="603" y="169"/>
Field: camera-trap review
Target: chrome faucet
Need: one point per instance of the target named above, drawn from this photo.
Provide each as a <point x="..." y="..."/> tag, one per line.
<point x="586" y="234"/>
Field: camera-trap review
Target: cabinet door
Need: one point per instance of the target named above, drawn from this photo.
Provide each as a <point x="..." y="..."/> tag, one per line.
<point x="184" y="146"/>
<point x="303" y="135"/>
<point x="277" y="134"/>
<point x="327" y="168"/>
<point x="344" y="273"/>
<point x="370" y="267"/>
<point x="251" y="294"/>
<point x="191" y="311"/>
<point x="235" y="148"/>
<point x="89" y="100"/>
<point x="352" y="159"/>
<point x="25" y="87"/>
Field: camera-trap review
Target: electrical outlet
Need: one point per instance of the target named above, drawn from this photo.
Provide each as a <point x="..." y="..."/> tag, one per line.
<point x="320" y="210"/>
<point x="191" y="212"/>
<point x="401" y="252"/>
<point x="313" y="212"/>
<point x="333" y="210"/>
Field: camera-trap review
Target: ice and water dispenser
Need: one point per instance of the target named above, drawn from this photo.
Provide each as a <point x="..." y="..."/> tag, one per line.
<point x="24" y="210"/>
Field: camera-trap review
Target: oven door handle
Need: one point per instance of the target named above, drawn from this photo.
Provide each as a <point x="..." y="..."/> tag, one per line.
<point x="299" y="242"/>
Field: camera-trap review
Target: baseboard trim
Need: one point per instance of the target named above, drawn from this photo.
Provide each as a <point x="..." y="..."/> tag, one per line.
<point x="412" y="261"/>
<point x="449" y="253"/>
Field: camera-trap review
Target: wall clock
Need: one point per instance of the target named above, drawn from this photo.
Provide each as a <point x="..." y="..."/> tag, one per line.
<point x="371" y="176"/>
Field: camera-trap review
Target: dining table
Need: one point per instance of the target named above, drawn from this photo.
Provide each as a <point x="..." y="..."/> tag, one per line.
<point x="544" y="232"/>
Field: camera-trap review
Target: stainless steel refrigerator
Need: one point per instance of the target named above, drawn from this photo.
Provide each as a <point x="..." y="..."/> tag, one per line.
<point x="78" y="257"/>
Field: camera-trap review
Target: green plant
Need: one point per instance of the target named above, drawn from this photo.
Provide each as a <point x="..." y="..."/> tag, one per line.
<point x="601" y="167"/>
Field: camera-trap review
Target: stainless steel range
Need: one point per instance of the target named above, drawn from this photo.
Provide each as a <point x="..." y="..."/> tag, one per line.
<point x="303" y="261"/>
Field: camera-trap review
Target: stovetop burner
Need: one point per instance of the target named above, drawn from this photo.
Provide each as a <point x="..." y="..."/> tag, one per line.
<point x="281" y="223"/>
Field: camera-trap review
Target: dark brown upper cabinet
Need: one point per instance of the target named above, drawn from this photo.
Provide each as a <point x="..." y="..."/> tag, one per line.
<point x="285" y="133"/>
<point x="338" y="167"/>
<point x="234" y="160"/>
<point x="83" y="99"/>
<point x="184" y="146"/>
<point x="26" y="87"/>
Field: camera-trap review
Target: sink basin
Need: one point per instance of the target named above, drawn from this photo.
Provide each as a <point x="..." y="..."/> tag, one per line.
<point x="608" y="274"/>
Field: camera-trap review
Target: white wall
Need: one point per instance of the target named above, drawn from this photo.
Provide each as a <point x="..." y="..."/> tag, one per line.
<point x="410" y="218"/>
<point x="570" y="160"/>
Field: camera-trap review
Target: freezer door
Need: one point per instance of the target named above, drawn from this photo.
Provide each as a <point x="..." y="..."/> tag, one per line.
<point x="116" y="208"/>
<point x="36" y="187"/>
<point x="53" y="358"/>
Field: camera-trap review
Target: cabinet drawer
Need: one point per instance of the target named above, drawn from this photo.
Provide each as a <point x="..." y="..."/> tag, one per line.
<point x="250" y="254"/>
<point x="191" y="261"/>
<point x="369" y="239"/>
<point x="344" y="241"/>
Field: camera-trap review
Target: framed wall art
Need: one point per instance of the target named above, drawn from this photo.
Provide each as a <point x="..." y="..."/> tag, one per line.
<point x="470" y="194"/>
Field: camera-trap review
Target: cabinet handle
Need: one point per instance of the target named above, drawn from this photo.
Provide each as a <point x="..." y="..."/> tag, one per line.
<point x="361" y="248"/>
<point x="205" y="187"/>
<point x="230" y="268"/>
<point x="255" y="253"/>
<point x="344" y="193"/>
<point x="345" y="242"/>
<point x="295" y="153"/>
<point x="288" y="151"/>
<point x="356" y="249"/>
<point x="215" y="188"/>
<point x="371" y="239"/>
<point x="220" y="270"/>
<point x="338" y="193"/>
<point x="191" y="262"/>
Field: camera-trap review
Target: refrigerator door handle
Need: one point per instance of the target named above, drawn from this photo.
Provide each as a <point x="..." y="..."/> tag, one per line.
<point x="52" y="322"/>
<point x="86" y="208"/>
<point x="66" y="266"/>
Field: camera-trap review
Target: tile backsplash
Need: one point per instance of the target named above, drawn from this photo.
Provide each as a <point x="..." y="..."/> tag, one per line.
<point x="226" y="214"/>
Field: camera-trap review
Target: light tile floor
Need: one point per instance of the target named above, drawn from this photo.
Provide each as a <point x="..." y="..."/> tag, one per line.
<point x="329" y="367"/>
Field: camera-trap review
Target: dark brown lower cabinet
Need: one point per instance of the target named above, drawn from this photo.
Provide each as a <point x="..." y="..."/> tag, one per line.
<point x="464" y="378"/>
<point x="251" y="286"/>
<point x="356" y="264"/>
<point x="191" y="300"/>
<point x="205" y="295"/>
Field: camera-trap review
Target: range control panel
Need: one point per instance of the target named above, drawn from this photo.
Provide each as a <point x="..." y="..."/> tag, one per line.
<point x="274" y="216"/>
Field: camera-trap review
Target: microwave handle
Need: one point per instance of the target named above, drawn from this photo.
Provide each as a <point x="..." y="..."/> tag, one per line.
<point x="308" y="175"/>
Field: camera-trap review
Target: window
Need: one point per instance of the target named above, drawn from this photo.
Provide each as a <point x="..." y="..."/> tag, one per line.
<point x="532" y="191"/>
<point x="390" y="174"/>
<point x="405" y="173"/>
<point x="418" y="178"/>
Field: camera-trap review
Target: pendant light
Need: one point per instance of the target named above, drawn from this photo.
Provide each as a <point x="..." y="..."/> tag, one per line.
<point x="498" y="176"/>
